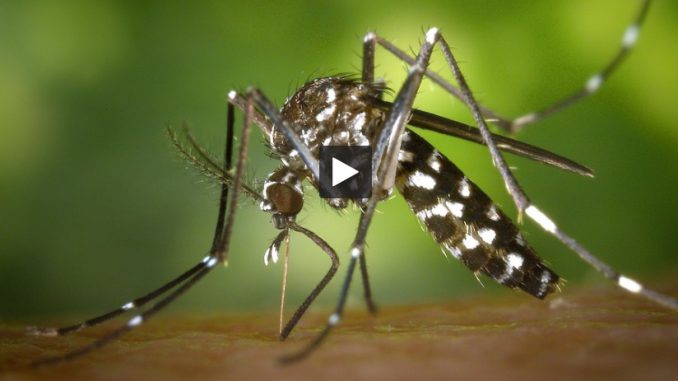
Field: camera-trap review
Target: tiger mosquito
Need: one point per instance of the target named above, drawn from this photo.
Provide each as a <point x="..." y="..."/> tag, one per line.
<point x="346" y="111"/>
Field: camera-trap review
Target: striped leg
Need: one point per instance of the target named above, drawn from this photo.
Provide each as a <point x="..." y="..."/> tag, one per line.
<point x="292" y="322"/>
<point x="524" y="205"/>
<point x="143" y="300"/>
<point x="590" y="86"/>
<point x="272" y="255"/>
<point x="623" y="281"/>
<point x="384" y="163"/>
<point x="218" y="252"/>
<point x="134" y="304"/>
<point x="271" y="112"/>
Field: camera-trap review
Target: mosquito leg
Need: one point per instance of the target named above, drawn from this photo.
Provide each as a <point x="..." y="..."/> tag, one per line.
<point x="369" y="45"/>
<point x="136" y="303"/>
<point x="333" y="320"/>
<point x="519" y="197"/>
<point x="292" y="322"/>
<point x="367" y="289"/>
<point x="383" y="161"/>
<point x="131" y="324"/>
<point x="513" y="125"/>
<point x="221" y="246"/>
<point x="435" y="77"/>
<point x="622" y="281"/>
<point x="594" y="82"/>
<point x="141" y="301"/>
<point x="228" y="163"/>
<point x="218" y="253"/>
<point x="239" y="101"/>
<point x="523" y="203"/>
<point x="270" y="110"/>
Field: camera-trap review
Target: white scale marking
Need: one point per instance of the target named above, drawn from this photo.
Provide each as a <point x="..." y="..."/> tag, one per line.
<point x="405" y="156"/>
<point x="434" y="161"/>
<point x="309" y="135"/>
<point x="593" y="84"/>
<point x="128" y="306"/>
<point x="232" y="94"/>
<point x="271" y="136"/>
<point x="525" y="119"/>
<point x="422" y="180"/>
<point x="135" y="321"/>
<point x="487" y="235"/>
<point x="432" y="35"/>
<point x="271" y="254"/>
<point x="545" y="279"/>
<point x="266" y="206"/>
<point x="470" y="242"/>
<point x="464" y="188"/>
<point x="342" y="136"/>
<point x="268" y="184"/>
<point x="334" y="319"/>
<point x="355" y="252"/>
<point x="326" y="113"/>
<point x="212" y="262"/>
<point x="331" y="95"/>
<point x="541" y="218"/>
<point x="361" y="140"/>
<point x="456" y="208"/>
<point x="630" y="36"/>
<point x="437" y="210"/>
<point x="266" y="256"/>
<point x="629" y="284"/>
<point x="442" y="209"/>
<point x="274" y="253"/>
<point x="359" y="122"/>
<point x="369" y="37"/>
<point x="493" y="214"/>
<point x="298" y="187"/>
<point x="453" y="250"/>
<point x="514" y="262"/>
<point x="288" y="178"/>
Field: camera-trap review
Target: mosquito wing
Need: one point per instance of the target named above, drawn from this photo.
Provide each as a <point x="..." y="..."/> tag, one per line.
<point x="465" y="221"/>
<point x="432" y="122"/>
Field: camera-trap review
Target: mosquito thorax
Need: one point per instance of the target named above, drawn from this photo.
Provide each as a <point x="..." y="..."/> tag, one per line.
<point x="328" y="111"/>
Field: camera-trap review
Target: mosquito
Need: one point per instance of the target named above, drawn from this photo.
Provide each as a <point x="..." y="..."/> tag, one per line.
<point x="351" y="111"/>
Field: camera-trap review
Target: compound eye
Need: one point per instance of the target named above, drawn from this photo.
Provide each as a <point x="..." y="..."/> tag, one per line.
<point x="285" y="199"/>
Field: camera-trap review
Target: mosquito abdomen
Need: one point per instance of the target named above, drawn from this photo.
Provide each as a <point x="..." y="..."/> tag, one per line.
<point x="465" y="221"/>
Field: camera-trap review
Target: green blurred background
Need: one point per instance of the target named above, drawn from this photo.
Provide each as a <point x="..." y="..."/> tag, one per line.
<point x="96" y="207"/>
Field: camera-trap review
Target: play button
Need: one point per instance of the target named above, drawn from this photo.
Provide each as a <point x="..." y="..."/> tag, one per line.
<point x="341" y="172"/>
<point x="345" y="172"/>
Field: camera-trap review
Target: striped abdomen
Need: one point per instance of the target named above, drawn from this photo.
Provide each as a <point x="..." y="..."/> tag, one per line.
<point x="465" y="222"/>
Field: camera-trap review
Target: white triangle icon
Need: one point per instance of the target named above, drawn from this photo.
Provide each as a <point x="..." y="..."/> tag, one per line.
<point x="341" y="172"/>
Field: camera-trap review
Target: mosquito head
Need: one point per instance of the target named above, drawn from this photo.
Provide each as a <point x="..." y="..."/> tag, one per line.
<point x="283" y="196"/>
